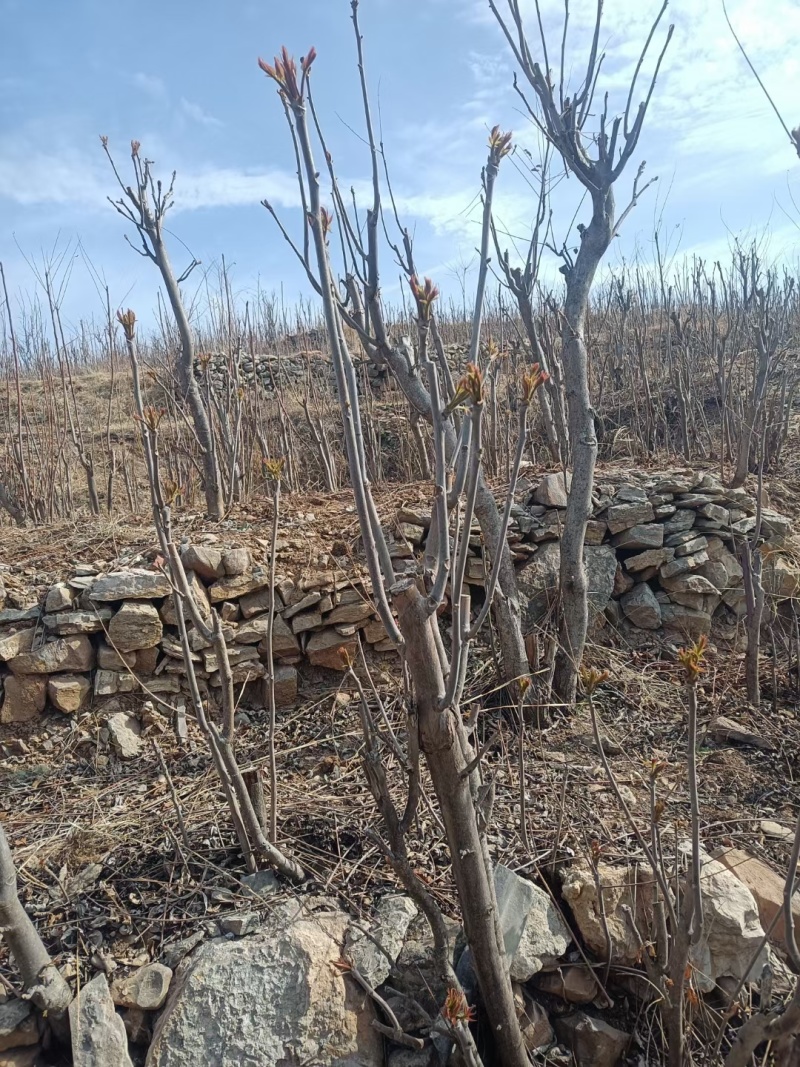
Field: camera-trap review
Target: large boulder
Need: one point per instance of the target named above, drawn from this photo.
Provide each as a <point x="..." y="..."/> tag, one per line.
<point x="273" y="997"/>
<point x="538" y="580"/>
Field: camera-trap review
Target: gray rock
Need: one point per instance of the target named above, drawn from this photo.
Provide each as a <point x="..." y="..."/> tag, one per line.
<point x="18" y="1025"/>
<point x="551" y="491"/>
<point x="136" y="625"/>
<point x="622" y="516"/>
<point x="684" y="564"/>
<point x="63" y="654"/>
<point x="641" y="607"/>
<point x="534" y="933"/>
<point x="204" y="560"/>
<point x="130" y="585"/>
<point x="593" y="1042"/>
<point x="238" y="585"/>
<point x="538" y="580"/>
<point x="651" y="558"/>
<point x="236" y="561"/>
<point x="261" y="884"/>
<point x="146" y="988"/>
<point x="732" y="930"/>
<point x="98" y="1033"/>
<point x="650" y="535"/>
<point x="240" y="923"/>
<point x="689" y="548"/>
<point x="24" y="697"/>
<point x="68" y="692"/>
<point x="688" y="583"/>
<point x="393" y="916"/>
<point x="59" y="598"/>
<point x="16" y="643"/>
<point x="77" y="622"/>
<point x="124" y="730"/>
<point x="684" y="621"/>
<point x="270" y="998"/>
<point x="198" y="594"/>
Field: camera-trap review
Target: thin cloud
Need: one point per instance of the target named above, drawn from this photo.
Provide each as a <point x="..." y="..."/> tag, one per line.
<point x="197" y="114"/>
<point x="151" y="85"/>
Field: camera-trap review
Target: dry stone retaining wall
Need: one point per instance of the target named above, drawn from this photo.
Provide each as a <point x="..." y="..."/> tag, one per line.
<point x="661" y="553"/>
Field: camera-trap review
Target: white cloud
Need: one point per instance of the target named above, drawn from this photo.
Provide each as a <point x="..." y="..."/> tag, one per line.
<point x="197" y="114"/>
<point x="65" y="176"/>
<point x="151" y="85"/>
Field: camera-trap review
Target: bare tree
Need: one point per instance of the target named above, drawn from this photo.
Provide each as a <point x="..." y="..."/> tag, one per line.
<point x="597" y="159"/>
<point x="145" y="205"/>
<point x="435" y="723"/>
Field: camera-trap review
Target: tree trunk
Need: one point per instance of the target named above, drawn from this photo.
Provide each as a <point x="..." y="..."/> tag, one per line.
<point x="574" y="620"/>
<point x="41" y="979"/>
<point x="215" y="504"/>
<point x="438" y="732"/>
<point x="506" y="603"/>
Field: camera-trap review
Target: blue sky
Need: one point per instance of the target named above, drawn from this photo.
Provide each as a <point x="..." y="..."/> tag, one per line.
<point x="182" y="78"/>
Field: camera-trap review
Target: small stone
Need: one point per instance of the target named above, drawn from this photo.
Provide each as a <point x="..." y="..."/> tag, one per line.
<point x="689" y="548"/>
<point x="238" y="585"/>
<point x="688" y="583"/>
<point x="331" y="650"/>
<point x="146" y="988"/>
<point x="98" y="1033"/>
<point x="305" y="621"/>
<point x="240" y="923"/>
<point x="78" y="622"/>
<point x="724" y="729"/>
<point x="109" y="659"/>
<point x="236" y="561"/>
<point x="18" y="1025"/>
<point x="766" y="885"/>
<point x="344" y="613"/>
<point x="124" y="731"/>
<point x="285" y="686"/>
<point x="16" y="643"/>
<point x="230" y="611"/>
<point x="533" y="932"/>
<point x="392" y="918"/>
<point x="551" y="491"/>
<point x="650" y="535"/>
<point x="63" y="654"/>
<point x="24" y="699"/>
<point x="198" y="594"/>
<point x="641" y="607"/>
<point x="622" y="516"/>
<point x="136" y="624"/>
<point x="68" y="692"/>
<point x="686" y="621"/>
<point x="593" y="1042"/>
<point x="575" y="984"/>
<point x="715" y="513"/>
<point x="683" y="564"/>
<point x="59" y="598"/>
<point x="533" y="1022"/>
<point x="776" y="831"/>
<point x="595" y="532"/>
<point x="261" y="884"/>
<point x="130" y="585"/>
<point x="204" y="560"/>
<point x="652" y="557"/>
<point x="310" y="600"/>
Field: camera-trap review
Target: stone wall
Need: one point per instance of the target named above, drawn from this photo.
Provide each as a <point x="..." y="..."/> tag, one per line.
<point x="661" y="553"/>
